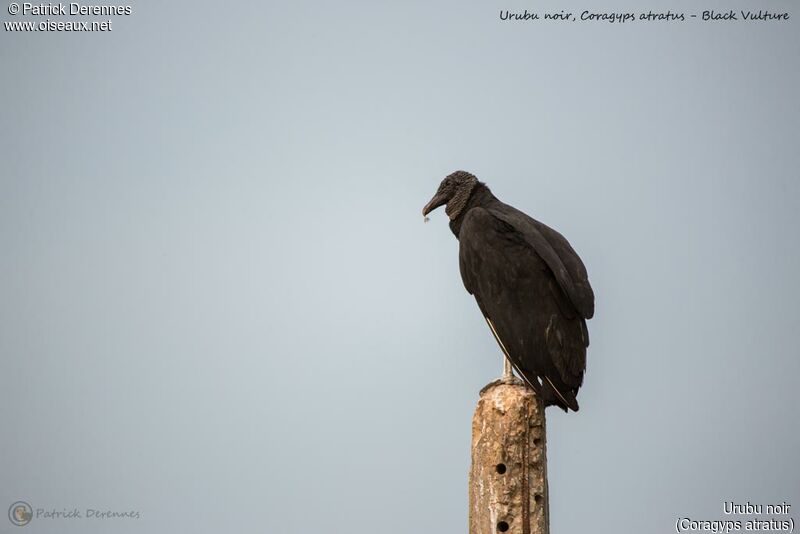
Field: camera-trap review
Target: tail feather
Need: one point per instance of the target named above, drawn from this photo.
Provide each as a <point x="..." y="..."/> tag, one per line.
<point x="558" y="396"/>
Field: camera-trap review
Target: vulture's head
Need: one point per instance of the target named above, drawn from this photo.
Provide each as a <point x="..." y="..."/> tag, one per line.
<point x="453" y="191"/>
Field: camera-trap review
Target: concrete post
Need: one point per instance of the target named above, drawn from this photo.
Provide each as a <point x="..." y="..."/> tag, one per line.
<point x="508" y="477"/>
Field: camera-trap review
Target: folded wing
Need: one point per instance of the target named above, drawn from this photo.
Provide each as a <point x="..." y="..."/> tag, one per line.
<point x="533" y="288"/>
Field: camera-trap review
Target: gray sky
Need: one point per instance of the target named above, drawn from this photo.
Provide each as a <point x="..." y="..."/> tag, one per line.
<point x="219" y="305"/>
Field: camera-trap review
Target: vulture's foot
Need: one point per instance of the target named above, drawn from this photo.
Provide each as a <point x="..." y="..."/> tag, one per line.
<point x="511" y="381"/>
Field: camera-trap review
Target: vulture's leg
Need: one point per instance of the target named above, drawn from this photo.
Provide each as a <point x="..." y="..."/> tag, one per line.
<point x="508" y="371"/>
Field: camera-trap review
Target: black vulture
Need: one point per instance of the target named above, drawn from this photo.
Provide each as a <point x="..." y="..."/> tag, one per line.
<point x="529" y="283"/>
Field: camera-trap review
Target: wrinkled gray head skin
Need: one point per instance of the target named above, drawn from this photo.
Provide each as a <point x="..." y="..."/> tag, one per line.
<point x="453" y="191"/>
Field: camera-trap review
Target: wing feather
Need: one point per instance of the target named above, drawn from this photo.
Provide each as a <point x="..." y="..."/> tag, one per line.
<point x="532" y="315"/>
<point x="559" y="255"/>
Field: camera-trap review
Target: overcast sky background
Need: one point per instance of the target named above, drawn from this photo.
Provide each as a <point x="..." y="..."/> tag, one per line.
<point x="219" y="305"/>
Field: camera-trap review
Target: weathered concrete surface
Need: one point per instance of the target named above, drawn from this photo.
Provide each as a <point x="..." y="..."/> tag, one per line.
<point x="508" y="477"/>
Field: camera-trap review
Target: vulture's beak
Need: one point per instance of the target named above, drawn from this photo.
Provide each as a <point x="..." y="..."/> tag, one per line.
<point x="438" y="200"/>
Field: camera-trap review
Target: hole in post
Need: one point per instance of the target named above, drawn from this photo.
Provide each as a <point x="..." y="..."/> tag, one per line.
<point x="537" y="498"/>
<point x="536" y="441"/>
<point x="502" y="526"/>
<point x="501" y="468"/>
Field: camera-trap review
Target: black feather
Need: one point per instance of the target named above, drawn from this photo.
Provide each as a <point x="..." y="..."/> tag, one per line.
<point x="533" y="287"/>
